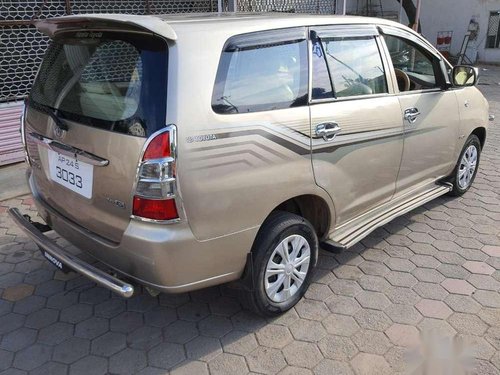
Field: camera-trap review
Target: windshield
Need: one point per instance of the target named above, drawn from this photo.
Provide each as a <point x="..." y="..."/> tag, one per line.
<point x="112" y="81"/>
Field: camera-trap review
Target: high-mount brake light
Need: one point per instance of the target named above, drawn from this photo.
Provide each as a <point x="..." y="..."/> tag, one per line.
<point x="155" y="190"/>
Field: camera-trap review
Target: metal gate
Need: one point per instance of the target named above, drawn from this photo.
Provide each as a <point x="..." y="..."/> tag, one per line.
<point x="22" y="48"/>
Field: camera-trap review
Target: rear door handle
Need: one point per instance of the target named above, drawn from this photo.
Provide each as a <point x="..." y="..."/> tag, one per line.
<point x="411" y="115"/>
<point x="67" y="150"/>
<point x="328" y="130"/>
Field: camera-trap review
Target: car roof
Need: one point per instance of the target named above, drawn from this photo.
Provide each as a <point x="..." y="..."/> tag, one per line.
<point x="168" y="25"/>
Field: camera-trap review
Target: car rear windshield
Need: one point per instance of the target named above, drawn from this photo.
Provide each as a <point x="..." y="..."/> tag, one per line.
<point x="112" y="81"/>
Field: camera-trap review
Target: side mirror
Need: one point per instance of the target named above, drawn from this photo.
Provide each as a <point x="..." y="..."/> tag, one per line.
<point x="464" y="76"/>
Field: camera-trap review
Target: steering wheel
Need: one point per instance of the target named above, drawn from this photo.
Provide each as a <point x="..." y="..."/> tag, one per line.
<point x="402" y="79"/>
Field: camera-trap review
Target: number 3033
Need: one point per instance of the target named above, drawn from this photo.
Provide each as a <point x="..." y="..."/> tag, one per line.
<point x="69" y="177"/>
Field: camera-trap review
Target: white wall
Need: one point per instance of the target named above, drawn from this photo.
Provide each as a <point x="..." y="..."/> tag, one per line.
<point x="453" y="15"/>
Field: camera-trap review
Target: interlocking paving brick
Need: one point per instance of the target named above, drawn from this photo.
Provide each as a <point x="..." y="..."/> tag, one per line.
<point x="227" y="364"/>
<point x="189" y="368"/>
<point x="193" y="311"/>
<point x="5" y="359"/>
<point x="338" y="348"/>
<point x="370" y="364"/>
<point x="55" y="333"/>
<point x="345" y="287"/>
<point x="314" y="310"/>
<point x="433" y="309"/>
<point x="404" y="314"/>
<point x="307" y="330"/>
<point x="203" y="348"/>
<point x="17" y="292"/>
<point x="11" y="322"/>
<point x="180" y="332"/>
<point x="467" y="323"/>
<point x="484" y="282"/>
<point x="126" y="322"/>
<point x="91" y="328"/>
<point x="479" y="268"/>
<point x="487" y="298"/>
<point x="266" y="360"/>
<point x="89" y="365"/>
<point x="374" y="342"/>
<point x="461" y="303"/>
<point x="492" y="251"/>
<point x="328" y="367"/>
<point x="373" y="283"/>
<point x="29" y="305"/>
<point x="302" y="354"/>
<point x="458" y="286"/>
<point x="403" y="279"/>
<point x="18" y="339"/>
<point x="166" y="355"/>
<point x="144" y="338"/>
<point x="401" y="295"/>
<point x="215" y="326"/>
<point x="32" y="357"/>
<point x="341" y="325"/>
<point x="318" y="292"/>
<point x="108" y="344"/>
<point x="52" y="368"/>
<point x="274" y="336"/>
<point x="403" y="335"/>
<point x="160" y="317"/>
<point x="41" y="318"/>
<point x="128" y="361"/>
<point x="430" y="291"/>
<point x="372" y="300"/>
<point x="343" y="305"/>
<point x="372" y="319"/>
<point x="76" y="313"/>
<point x="239" y="342"/>
<point x="71" y="350"/>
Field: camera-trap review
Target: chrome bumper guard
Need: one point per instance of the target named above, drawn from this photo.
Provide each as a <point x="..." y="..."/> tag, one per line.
<point x="76" y="264"/>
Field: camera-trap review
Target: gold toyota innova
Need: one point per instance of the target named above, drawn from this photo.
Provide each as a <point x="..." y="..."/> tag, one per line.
<point x="188" y="151"/>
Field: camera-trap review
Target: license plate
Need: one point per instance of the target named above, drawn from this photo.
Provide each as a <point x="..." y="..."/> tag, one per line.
<point x="56" y="262"/>
<point x="71" y="173"/>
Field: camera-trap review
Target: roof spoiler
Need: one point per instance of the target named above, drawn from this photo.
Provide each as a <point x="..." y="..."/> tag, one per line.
<point x="53" y="26"/>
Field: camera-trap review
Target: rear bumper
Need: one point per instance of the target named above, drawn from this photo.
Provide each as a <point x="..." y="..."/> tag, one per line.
<point x="69" y="260"/>
<point x="167" y="258"/>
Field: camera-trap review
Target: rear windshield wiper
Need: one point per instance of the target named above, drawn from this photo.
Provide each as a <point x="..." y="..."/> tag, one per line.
<point x="51" y="112"/>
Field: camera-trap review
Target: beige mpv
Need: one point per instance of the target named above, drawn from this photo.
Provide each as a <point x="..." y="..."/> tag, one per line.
<point x="189" y="151"/>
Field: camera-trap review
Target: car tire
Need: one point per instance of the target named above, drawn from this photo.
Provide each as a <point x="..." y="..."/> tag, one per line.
<point x="280" y="231"/>
<point x="465" y="171"/>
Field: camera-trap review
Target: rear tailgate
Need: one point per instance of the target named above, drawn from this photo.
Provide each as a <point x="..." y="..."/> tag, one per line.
<point x="100" y="92"/>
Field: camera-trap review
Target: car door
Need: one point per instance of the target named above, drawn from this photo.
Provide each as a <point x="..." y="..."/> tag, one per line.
<point x="429" y="109"/>
<point x="356" y="124"/>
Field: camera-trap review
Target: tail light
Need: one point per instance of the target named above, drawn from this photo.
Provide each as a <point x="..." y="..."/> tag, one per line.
<point x="155" y="190"/>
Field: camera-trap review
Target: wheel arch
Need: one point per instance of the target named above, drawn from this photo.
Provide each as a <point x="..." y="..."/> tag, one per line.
<point x="311" y="207"/>
<point x="480" y="132"/>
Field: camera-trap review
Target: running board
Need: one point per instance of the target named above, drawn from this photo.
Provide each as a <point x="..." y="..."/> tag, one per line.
<point x="357" y="229"/>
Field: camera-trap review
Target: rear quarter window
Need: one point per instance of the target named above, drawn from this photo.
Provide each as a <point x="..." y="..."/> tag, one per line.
<point x="262" y="71"/>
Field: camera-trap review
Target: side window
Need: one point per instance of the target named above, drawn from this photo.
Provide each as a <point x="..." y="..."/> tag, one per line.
<point x="415" y="69"/>
<point x="263" y="76"/>
<point x="353" y="66"/>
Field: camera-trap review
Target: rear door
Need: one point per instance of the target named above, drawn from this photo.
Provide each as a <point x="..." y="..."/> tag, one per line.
<point x="97" y="97"/>
<point x="430" y="112"/>
<point x="356" y="122"/>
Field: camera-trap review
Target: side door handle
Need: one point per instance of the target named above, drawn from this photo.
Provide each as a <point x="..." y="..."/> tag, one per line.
<point x="411" y="115"/>
<point x="328" y="130"/>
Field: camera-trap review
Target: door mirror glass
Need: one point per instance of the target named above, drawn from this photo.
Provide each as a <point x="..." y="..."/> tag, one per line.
<point x="464" y="76"/>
